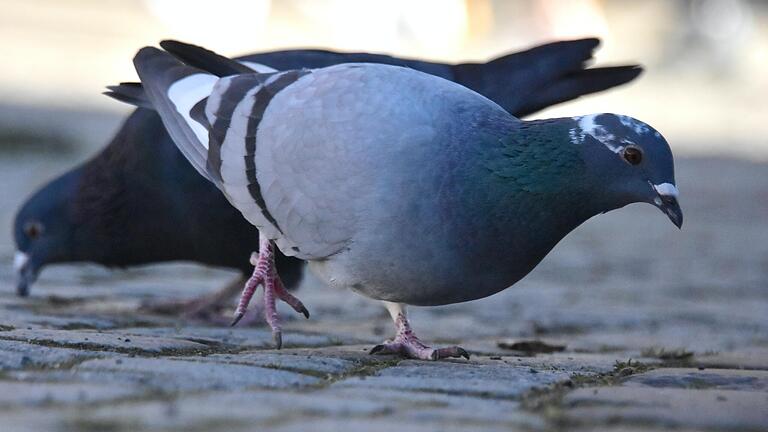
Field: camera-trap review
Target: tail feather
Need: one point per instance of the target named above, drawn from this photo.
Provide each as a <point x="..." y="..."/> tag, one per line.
<point x="578" y="84"/>
<point x="515" y="81"/>
<point x="131" y="93"/>
<point x="204" y="59"/>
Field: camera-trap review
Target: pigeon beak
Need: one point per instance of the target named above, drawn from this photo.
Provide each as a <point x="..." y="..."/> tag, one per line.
<point x="25" y="273"/>
<point x="666" y="201"/>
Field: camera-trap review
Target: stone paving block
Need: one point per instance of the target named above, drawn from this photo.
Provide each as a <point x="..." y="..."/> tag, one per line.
<point x="502" y="380"/>
<point x="93" y="340"/>
<point x="331" y="408"/>
<point x="572" y="363"/>
<point x="242" y="337"/>
<point x="721" y="379"/>
<point x="313" y="364"/>
<point x="177" y="375"/>
<point x="752" y="358"/>
<point x="441" y="408"/>
<point x="14" y="394"/>
<point x="385" y="424"/>
<point x="71" y="322"/>
<point x="219" y="410"/>
<point x="19" y="355"/>
<point x="668" y="407"/>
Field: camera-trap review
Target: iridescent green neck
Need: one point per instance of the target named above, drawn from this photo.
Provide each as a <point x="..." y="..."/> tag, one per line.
<point x="537" y="173"/>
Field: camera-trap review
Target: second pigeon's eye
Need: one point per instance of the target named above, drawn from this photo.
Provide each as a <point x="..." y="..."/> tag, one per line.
<point x="33" y="229"/>
<point x="633" y="155"/>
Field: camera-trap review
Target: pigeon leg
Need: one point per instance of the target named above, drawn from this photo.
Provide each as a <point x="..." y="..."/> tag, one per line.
<point x="265" y="274"/>
<point x="407" y="344"/>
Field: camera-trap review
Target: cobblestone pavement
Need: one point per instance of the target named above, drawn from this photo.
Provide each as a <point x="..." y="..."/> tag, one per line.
<point x="641" y="327"/>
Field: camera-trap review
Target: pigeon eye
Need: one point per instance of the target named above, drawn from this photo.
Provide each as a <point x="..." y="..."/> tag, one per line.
<point x="633" y="155"/>
<point x="33" y="229"/>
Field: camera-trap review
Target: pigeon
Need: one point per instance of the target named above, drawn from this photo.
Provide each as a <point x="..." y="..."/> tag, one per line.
<point x="88" y="213"/>
<point x="115" y="210"/>
<point x="398" y="185"/>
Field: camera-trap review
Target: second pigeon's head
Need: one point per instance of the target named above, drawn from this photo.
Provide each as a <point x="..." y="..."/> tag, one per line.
<point x="632" y="161"/>
<point x="43" y="231"/>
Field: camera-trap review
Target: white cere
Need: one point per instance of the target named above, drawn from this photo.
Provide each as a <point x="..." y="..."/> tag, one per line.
<point x="19" y="261"/>
<point x="667" y="189"/>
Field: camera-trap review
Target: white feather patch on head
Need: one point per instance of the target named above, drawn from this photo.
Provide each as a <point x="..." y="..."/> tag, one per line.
<point x="588" y="126"/>
<point x="639" y="127"/>
<point x="20" y="259"/>
<point x="667" y="189"/>
<point x="257" y="67"/>
<point x="188" y="91"/>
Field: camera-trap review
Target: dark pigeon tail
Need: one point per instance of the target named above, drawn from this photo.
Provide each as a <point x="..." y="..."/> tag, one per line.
<point x="578" y="84"/>
<point x="131" y="93"/>
<point x="517" y="81"/>
<point x="204" y="59"/>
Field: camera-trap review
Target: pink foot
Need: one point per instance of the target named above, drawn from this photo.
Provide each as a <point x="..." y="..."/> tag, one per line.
<point x="407" y="344"/>
<point x="265" y="274"/>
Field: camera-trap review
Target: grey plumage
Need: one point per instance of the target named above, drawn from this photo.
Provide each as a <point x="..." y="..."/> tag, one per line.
<point x="402" y="186"/>
<point x="376" y="141"/>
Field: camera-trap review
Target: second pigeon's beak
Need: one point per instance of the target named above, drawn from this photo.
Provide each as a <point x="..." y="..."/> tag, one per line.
<point x="26" y="274"/>
<point x="666" y="201"/>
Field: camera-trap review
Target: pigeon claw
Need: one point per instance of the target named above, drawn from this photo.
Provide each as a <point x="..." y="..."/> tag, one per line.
<point x="408" y="345"/>
<point x="454" y="351"/>
<point x="238" y="317"/>
<point x="379" y="349"/>
<point x="414" y="349"/>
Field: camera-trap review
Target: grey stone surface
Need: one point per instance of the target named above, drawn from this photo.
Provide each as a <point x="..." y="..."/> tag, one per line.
<point x="571" y="363"/>
<point x="667" y="407"/>
<point x="489" y="380"/>
<point x="720" y="379"/>
<point x="19" y="355"/>
<point x="281" y="410"/>
<point x="313" y="364"/>
<point x="242" y="337"/>
<point x="14" y="394"/>
<point x="185" y="375"/>
<point x="93" y="340"/>
<point x="753" y="358"/>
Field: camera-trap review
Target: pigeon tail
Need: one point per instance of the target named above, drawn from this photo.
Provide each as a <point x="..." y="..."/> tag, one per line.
<point x="131" y="93"/>
<point x="578" y="84"/>
<point x="204" y="59"/>
<point x="551" y="73"/>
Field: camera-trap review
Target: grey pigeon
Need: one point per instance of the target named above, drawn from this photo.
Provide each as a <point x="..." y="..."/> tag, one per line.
<point x="88" y="213"/>
<point x="401" y="186"/>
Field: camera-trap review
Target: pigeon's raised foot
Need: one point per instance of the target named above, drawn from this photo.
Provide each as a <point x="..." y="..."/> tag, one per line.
<point x="408" y="345"/>
<point x="265" y="274"/>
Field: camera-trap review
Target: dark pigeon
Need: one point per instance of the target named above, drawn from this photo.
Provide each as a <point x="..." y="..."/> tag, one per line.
<point x="138" y="200"/>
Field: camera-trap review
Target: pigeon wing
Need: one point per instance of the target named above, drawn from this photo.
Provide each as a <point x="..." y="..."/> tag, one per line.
<point x="214" y="122"/>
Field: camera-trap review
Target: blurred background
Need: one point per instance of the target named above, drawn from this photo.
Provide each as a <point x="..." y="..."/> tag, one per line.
<point x="704" y="87"/>
<point x="706" y="60"/>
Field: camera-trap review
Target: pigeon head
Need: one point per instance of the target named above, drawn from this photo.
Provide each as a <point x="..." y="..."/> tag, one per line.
<point x="631" y="161"/>
<point x="43" y="232"/>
